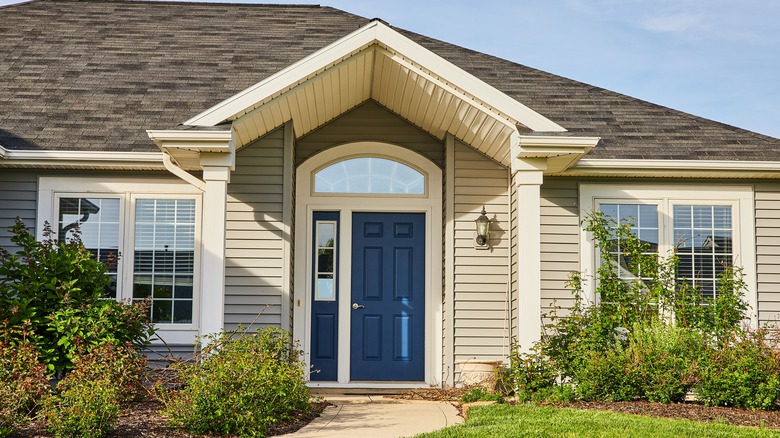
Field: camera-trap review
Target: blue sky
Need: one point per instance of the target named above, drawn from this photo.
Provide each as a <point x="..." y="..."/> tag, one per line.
<point x="718" y="59"/>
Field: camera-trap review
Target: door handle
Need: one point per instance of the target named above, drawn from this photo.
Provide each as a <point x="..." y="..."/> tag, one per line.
<point x="356" y="306"/>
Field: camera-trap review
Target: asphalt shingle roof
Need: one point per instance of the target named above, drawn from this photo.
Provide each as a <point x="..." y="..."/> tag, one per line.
<point x="95" y="75"/>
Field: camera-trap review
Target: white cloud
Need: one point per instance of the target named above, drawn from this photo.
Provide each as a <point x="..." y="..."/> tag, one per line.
<point x="676" y="23"/>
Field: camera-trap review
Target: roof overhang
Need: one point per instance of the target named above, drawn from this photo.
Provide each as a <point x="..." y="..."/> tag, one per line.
<point x="80" y="160"/>
<point x="377" y="62"/>
<point x="559" y="152"/>
<point x="674" y="169"/>
<point x="186" y="148"/>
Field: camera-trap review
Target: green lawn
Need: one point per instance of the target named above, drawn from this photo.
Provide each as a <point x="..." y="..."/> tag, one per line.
<point x="541" y="421"/>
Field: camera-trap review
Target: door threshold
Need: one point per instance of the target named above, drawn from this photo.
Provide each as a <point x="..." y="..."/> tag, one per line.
<point x="366" y="387"/>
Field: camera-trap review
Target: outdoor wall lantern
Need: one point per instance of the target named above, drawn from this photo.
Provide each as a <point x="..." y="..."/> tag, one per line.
<point x="483" y="228"/>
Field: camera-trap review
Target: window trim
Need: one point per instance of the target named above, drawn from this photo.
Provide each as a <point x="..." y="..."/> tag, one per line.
<point x="739" y="197"/>
<point x="385" y="156"/>
<point x="128" y="190"/>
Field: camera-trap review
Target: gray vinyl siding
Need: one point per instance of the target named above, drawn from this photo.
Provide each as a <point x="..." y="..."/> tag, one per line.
<point x="767" y="198"/>
<point x="18" y="198"/>
<point x="481" y="276"/>
<point x="370" y="122"/>
<point x="560" y="240"/>
<point x="254" y="260"/>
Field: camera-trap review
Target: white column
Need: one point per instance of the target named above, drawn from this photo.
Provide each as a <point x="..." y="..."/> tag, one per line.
<point x="529" y="179"/>
<point x="216" y="174"/>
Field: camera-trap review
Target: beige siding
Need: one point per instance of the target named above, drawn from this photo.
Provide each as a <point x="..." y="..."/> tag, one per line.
<point x="254" y="239"/>
<point x="560" y="238"/>
<point x="768" y="252"/>
<point x="370" y="122"/>
<point x="481" y="326"/>
<point x="18" y="198"/>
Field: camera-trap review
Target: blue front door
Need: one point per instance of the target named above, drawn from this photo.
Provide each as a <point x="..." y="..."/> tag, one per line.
<point x="388" y="297"/>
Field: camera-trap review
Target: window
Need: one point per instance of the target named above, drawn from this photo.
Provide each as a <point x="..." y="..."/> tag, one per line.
<point x="710" y="228"/>
<point x="96" y="220"/>
<point x="164" y="257"/>
<point x="325" y="286"/>
<point x="369" y="175"/>
<point x="150" y="227"/>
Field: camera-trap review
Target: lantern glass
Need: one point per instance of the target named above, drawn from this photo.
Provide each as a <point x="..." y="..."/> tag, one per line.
<point x="483" y="228"/>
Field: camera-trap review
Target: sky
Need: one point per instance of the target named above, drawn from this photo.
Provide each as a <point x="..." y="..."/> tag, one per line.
<point x="719" y="59"/>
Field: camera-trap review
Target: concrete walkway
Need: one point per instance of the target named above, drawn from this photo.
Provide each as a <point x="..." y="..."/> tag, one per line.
<point x="376" y="416"/>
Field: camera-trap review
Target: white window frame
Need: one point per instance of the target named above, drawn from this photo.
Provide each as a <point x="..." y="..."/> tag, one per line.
<point x="128" y="190"/>
<point x="665" y="196"/>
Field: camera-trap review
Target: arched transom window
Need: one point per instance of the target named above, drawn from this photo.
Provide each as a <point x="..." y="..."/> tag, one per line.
<point x="369" y="175"/>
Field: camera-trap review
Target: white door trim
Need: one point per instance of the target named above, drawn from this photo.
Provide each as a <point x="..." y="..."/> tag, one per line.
<point x="306" y="202"/>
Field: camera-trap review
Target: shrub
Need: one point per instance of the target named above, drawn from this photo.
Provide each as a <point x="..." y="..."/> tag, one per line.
<point x="665" y="360"/>
<point x="608" y="376"/>
<point x="480" y="393"/>
<point x="530" y="372"/>
<point x="83" y="408"/>
<point x="242" y="384"/>
<point x="88" y="398"/>
<point x="50" y="296"/>
<point x="643" y="337"/>
<point x="744" y="373"/>
<point x="22" y="385"/>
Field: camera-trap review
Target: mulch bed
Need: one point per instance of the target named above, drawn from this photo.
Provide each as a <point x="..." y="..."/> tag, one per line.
<point x="143" y="419"/>
<point x="686" y="411"/>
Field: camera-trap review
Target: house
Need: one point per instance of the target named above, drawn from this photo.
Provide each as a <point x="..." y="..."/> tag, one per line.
<point x="303" y="167"/>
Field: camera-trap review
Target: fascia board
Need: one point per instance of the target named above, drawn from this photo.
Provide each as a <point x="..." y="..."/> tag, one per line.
<point x="83" y="156"/>
<point x="678" y="168"/>
<point x="80" y="160"/>
<point x="374" y="32"/>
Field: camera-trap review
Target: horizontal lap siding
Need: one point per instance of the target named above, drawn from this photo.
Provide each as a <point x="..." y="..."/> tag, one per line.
<point x="18" y="198"/>
<point x="481" y="276"/>
<point x="768" y="252"/>
<point x="254" y="261"/>
<point x="560" y="238"/>
<point x="370" y="122"/>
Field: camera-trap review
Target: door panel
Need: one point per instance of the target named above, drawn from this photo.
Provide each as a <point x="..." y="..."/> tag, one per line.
<point x="388" y="286"/>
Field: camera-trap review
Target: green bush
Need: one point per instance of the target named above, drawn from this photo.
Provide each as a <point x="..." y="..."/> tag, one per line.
<point x="608" y="376"/>
<point x="643" y="337"/>
<point x="22" y="385"/>
<point x="480" y="393"/>
<point x="87" y="400"/>
<point x="83" y="408"/>
<point x="242" y="384"/>
<point x="530" y="372"/>
<point x="744" y="373"/>
<point x="664" y="359"/>
<point x="51" y="296"/>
